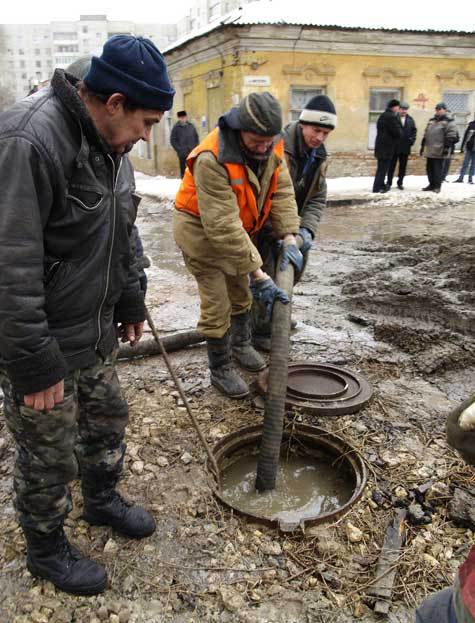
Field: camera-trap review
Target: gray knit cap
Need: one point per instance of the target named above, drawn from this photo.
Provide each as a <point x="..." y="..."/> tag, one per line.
<point x="80" y="67"/>
<point x="259" y="113"/>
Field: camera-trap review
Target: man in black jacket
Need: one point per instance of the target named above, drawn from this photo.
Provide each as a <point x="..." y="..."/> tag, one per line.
<point x="389" y="133"/>
<point x="403" y="149"/>
<point x="468" y="144"/>
<point x="68" y="278"/>
<point x="183" y="139"/>
<point x="306" y="158"/>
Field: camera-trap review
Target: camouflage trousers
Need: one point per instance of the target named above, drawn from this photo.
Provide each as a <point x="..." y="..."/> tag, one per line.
<point x="87" y="428"/>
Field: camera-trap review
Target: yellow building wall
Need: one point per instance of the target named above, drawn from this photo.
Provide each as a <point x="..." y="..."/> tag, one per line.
<point x="349" y="86"/>
<point x="210" y="88"/>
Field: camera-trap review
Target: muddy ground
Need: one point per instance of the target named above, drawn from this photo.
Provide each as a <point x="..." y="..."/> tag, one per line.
<point x="389" y="292"/>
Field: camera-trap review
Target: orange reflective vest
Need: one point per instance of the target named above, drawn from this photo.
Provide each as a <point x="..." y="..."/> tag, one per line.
<point x="251" y="219"/>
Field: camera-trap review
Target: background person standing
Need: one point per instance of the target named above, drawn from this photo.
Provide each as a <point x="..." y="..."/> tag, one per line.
<point x="468" y="143"/>
<point x="389" y="132"/>
<point x="439" y="137"/>
<point x="403" y="149"/>
<point x="183" y="138"/>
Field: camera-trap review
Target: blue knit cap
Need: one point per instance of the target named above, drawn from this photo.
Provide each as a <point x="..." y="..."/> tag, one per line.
<point x="135" y="67"/>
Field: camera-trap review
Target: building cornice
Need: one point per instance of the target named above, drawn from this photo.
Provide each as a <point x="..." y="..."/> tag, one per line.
<point x="273" y="38"/>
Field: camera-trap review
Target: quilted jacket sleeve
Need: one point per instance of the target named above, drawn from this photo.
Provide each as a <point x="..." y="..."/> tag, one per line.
<point x="30" y="355"/>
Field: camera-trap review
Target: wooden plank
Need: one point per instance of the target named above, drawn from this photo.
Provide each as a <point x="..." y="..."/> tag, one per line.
<point x="386" y="568"/>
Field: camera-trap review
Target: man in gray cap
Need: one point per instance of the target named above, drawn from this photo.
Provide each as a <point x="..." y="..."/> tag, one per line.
<point x="236" y="180"/>
<point x="69" y="286"/>
<point x="439" y="138"/>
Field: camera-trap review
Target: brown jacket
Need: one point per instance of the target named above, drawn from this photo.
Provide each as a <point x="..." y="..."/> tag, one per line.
<point x="218" y="237"/>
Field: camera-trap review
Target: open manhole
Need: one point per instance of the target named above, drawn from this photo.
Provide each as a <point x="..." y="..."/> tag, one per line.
<point x="322" y="389"/>
<point x="320" y="477"/>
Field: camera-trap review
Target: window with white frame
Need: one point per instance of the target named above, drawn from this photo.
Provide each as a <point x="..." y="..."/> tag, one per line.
<point x="462" y="106"/>
<point x="378" y="100"/>
<point x="299" y="96"/>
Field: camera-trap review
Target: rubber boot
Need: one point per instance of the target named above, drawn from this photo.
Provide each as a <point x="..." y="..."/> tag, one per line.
<point x="223" y="374"/>
<point x="243" y="351"/>
<point x="104" y="506"/>
<point x="53" y="558"/>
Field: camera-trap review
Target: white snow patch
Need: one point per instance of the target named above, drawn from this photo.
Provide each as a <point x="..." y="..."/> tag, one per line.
<point x="159" y="186"/>
<point x="166" y="187"/>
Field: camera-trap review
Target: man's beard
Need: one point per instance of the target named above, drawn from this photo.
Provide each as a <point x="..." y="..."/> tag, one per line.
<point x="258" y="156"/>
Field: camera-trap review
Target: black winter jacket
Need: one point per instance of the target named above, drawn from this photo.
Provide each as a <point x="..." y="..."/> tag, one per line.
<point x="184" y="138"/>
<point x="408" y="138"/>
<point x="66" y="213"/>
<point x="389" y="132"/>
<point x="312" y="201"/>
<point x="468" y="141"/>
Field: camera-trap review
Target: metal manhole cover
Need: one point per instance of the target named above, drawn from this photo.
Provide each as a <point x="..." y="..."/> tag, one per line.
<point x="322" y="389"/>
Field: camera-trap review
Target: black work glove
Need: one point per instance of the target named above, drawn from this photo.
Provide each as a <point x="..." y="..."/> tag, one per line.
<point x="307" y="240"/>
<point x="266" y="293"/>
<point x="291" y="255"/>
<point x="421" y="151"/>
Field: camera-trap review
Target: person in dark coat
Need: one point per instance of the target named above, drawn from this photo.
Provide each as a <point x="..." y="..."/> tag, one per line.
<point x="79" y="69"/>
<point x="389" y="132"/>
<point x="307" y="161"/>
<point x="183" y="139"/>
<point x="65" y="227"/>
<point x="468" y="143"/>
<point x="408" y="138"/>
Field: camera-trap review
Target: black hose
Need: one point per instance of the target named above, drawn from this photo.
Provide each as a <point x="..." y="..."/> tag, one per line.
<point x="274" y="411"/>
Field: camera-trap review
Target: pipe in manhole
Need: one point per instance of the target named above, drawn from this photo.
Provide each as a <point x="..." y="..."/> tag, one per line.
<point x="320" y="477"/>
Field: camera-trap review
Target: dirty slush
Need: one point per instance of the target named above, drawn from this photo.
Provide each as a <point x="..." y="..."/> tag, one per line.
<point x="389" y="293"/>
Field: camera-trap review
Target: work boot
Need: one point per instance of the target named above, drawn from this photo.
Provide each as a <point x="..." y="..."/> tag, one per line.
<point x="108" y="508"/>
<point x="470" y="180"/>
<point x="458" y="181"/>
<point x="243" y="351"/>
<point x="53" y="558"/>
<point x="223" y="373"/>
<point x="428" y="187"/>
<point x="400" y="186"/>
<point x="436" y="189"/>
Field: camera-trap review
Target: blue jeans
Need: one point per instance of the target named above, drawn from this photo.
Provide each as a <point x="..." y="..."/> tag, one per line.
<point x="468" y="160"/>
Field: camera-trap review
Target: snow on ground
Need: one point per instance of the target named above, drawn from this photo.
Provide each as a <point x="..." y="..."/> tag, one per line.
<point x="166" y="188"/>
<point x="159" y="186"/>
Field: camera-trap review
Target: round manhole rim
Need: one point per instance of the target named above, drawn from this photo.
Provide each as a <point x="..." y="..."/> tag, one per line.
<point x="245" y="436"/>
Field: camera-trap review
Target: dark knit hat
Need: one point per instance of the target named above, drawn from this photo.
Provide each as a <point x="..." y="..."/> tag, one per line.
<point x="441" y="105"/>
<point x="259" y="113"/>
<point x="135" y="67"/>
<point x="393" y="103"/>
<point x="182" y="113"/>
<point x="319" y="111"/>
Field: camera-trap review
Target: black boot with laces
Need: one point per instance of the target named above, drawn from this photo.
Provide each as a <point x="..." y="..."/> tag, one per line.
<point x="108" y="508"/>
<point x="52" y="557"/>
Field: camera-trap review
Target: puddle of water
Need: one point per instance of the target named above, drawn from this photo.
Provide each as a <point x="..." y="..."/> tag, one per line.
<point x="387" y="222"/>
<point x="306" y="487"/>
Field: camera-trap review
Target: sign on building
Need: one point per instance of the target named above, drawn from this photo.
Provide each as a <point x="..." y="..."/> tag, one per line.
<point x="257" y="81"/>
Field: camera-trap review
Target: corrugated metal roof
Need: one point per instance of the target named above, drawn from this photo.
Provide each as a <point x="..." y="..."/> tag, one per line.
<point x="337" y="14"/>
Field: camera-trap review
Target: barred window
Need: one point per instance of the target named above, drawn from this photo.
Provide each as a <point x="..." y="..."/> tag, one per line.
<point x="378" y="100"/>
<point x="461" y="104"/>
<point x="299" y="98"/>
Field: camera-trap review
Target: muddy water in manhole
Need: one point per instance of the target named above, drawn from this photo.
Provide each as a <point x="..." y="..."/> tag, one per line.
<point x="306" y="487"/>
